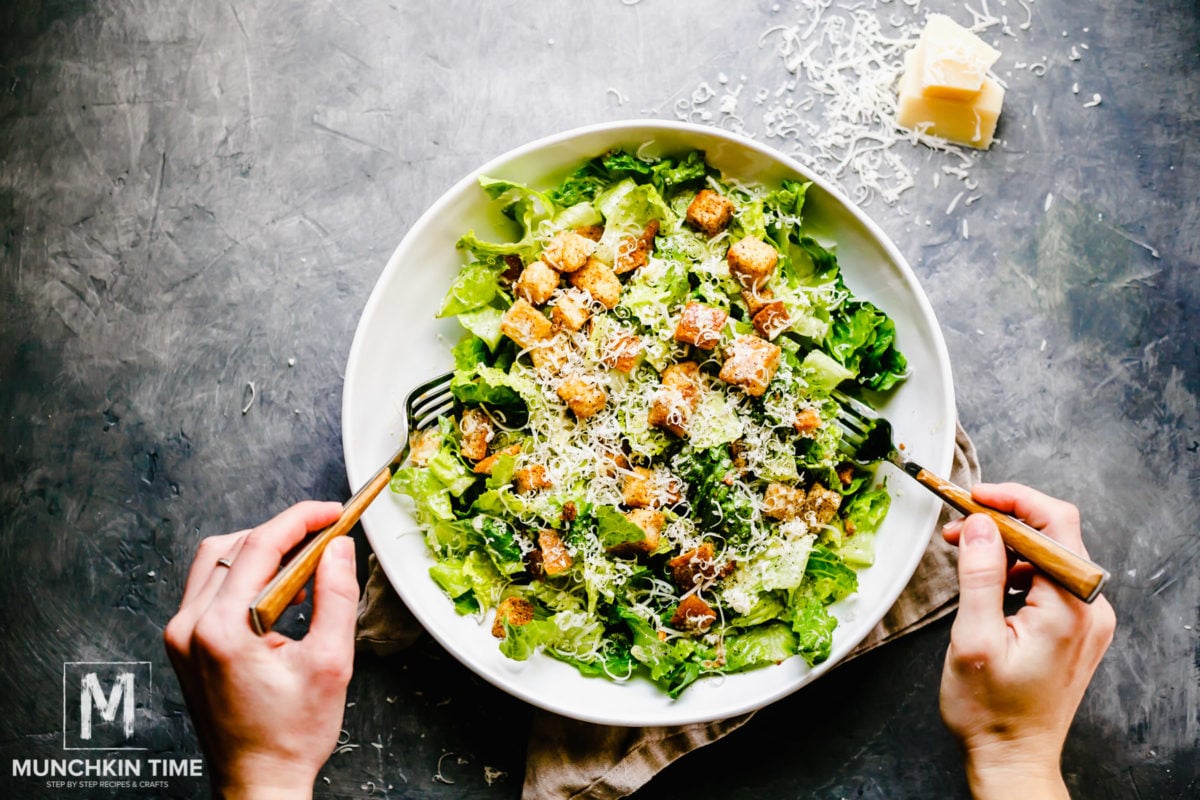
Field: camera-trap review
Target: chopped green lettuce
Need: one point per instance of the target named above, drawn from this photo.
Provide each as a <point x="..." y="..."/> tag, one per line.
<point x="615" y="529"/>
<point x="500" y="544"/>
<point x="813" y="625"/>
<point x="758" y="646"/>
<point x="474" y="287"/>
<point x="863" y="339"/>
<point x="822" y="373"/>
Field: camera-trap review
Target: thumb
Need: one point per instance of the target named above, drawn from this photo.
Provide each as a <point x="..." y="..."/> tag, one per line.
<point x="330" y="639"/>
<point x="979" y="630"/>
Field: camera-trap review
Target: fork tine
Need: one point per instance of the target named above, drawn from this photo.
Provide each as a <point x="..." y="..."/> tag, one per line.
<point x="432" y="383"/>
<point x="421" y="407"/>
<point x="429" y="390"/>
<point x="428" y="402"/>
<point x="854" y="406"/>
<point x="850" y="431"/>
<point x="857" y="425"/>
<point x="432" y="415"/>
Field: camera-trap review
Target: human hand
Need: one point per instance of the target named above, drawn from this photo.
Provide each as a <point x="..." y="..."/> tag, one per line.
<point x="267" y="709"/>
<point x="1011" y="685"/>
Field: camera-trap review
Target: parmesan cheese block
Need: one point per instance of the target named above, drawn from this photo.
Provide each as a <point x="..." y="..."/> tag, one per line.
<point x="952" y="61"/>
<point x="971" y="122"/>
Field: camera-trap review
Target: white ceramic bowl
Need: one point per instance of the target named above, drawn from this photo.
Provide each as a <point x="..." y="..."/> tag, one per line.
<point x="398" y="344"/>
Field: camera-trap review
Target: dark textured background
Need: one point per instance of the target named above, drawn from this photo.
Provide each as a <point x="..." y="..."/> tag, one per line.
<point x="193" y="193"/>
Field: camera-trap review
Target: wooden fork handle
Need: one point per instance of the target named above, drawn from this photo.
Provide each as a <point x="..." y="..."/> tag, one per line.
<point x="1078" y="575"/>
<point x="273" y="600"/>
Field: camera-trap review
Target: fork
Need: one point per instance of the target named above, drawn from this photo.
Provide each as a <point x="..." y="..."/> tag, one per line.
<point x="867" y="438"/>
<point x="423" y="406"/>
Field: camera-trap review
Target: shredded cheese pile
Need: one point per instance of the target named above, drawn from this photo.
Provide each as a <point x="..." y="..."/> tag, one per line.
<point x="835" y="109"/>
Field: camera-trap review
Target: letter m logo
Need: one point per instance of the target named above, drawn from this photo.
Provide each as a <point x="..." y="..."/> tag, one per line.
<point x="102" y="702"/>
<point x="92" y="696"/>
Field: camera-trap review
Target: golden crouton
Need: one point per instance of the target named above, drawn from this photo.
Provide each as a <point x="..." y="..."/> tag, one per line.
<point x="674" y="403"/>
<point x="477" y="432"/>
<point x="622" y="351"/>
<point x="845" y="473"/>
<point x="750" y="362"/>
<point x="551" y="354"/>
<point x="783" y="502"/>
<point x="696" y="568"/>
<point x="485" y="467"/>
<point x="633" y="252"/>
<point x="709" y="212"/>
<point x="693" y="614"/>
<point x="700" y="325"/>
<point x="593" y="232"/>
<point x="752" y="261"/>
<point x="611" y="462"/>
<point x="555" y="558"/>
<point x="599" y="280"/>
<point x="757" y="299"/>
<point x="583" y="395"/>
<point x="525" y="325"/>
<point x="644" y="488"/>
<point x="531" y="479"/>
<point x="568" y="251"/>
<point x="771" y="320"/>
<point x="537" y="283"/>
<point x="651" y="522"/>
<point x="512" y="268"/>
<point x="807" y="421"/>
<point x="517" y="611"/>
<point x="423" y="445"/>
<point x="572" y="309"/>
<point x="822" y="504"/>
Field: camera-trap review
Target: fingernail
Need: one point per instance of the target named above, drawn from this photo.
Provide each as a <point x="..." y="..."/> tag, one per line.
<point x="343" y="548"/>
<point x="953" y="526"/>
<point x="978" y="529"/>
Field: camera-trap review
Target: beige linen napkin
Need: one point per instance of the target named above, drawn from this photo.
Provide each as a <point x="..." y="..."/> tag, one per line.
<point x="581" y="761"/>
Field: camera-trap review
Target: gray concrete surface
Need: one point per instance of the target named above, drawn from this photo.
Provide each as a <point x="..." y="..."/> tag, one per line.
<point x="193" y="193"/>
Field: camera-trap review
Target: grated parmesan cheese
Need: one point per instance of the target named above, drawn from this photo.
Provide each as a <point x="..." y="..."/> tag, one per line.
<point x="834" y="108"/>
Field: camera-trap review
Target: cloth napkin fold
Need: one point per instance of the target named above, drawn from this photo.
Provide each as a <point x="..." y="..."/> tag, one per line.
<point x="582" y="761"/>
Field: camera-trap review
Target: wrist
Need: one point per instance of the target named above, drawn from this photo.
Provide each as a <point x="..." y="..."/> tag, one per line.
<point x="261" y="791"/>
<point x="992" y="776"/>
<point x="264" y="782"/>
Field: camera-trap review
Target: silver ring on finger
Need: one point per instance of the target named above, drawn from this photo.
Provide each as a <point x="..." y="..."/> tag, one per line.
<point x="224" y="562"/>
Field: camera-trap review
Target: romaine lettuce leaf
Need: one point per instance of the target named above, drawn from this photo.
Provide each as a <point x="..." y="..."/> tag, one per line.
<point x="474" y="287"/>
<point x="813" y="625"/>
<point x="448" y="574"/>
<point x="492" y="386"/>
<point x="828" y="576"/>
<point x="451" y="471"/>
<point x="822" y="373"/>
<point x="615" y="529"/>
<point x="759" y="646"/>
<point x="628" y="207"/>
<point x="525" y="206"/>
<point x="484" y="323"/>
<point x="863" y="339"/>
<point x="782" y="214"/>
<point x="862" y="517"/>
<point x="866" y="510"/>
<point x="429" y="494"/>
<point x="664" y="173"/>
<point x="469" y="351"/>
<point x="500" y="544"/>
